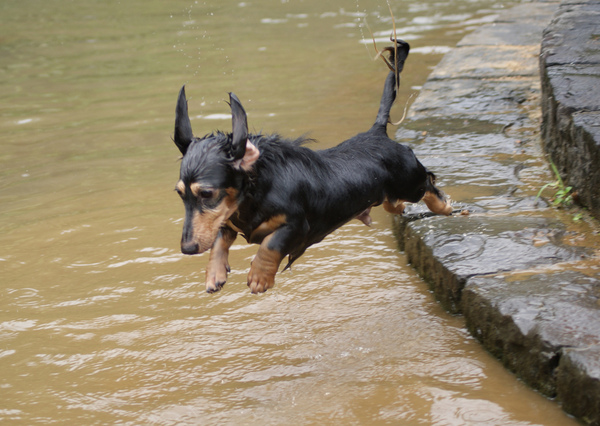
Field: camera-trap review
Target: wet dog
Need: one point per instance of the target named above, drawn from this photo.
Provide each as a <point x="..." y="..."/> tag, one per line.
<point x="284" y="196"/>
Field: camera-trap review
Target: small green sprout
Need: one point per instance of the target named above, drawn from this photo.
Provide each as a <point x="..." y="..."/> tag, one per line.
<point x="563" y="197"/>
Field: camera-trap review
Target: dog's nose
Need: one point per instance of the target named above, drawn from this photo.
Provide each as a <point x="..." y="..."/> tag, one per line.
<point x="189" y="248"/>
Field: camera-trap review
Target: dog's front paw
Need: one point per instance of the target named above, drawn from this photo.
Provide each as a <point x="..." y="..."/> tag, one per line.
<point x="216" y="275"/>
<point x="260" y="281"/>
<point x="263" y="270"/>
<point x="215" y="280"/>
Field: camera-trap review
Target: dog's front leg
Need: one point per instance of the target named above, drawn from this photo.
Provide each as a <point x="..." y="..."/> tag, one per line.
<point x="286" y="238"/>
<point x="218" y="264"/>
<point x="264" y="266"/>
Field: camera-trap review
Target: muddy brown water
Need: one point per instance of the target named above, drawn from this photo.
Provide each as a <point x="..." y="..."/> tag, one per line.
<point x="103" y="321"/>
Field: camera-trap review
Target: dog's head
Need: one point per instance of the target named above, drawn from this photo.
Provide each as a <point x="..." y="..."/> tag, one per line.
<point x="211" y="174"/>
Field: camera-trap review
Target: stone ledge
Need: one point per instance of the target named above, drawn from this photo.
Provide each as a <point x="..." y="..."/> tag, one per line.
<point x="578" y="383"/>
<point x="547" y="320"/>
<point x="449" y="251"/>
<point x="570" y="74"/>
<point x="527" y="284"/>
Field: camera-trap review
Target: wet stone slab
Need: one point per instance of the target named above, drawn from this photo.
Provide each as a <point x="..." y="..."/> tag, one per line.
<point x="484" y="169"/>
<point x="460" y="144"/>
<point x="447" y="251"/>
<point x="478" y="180"/>
<point x="522" y="14"/>
<point x="530" y="19"/>
<point x="572" y="37"/>
<point x="544" y="327"/>
<point x="488" y="62"/>
<point x="505" y="33"/>
<point x="492" y="100"/>
<point x="574" y="87"/>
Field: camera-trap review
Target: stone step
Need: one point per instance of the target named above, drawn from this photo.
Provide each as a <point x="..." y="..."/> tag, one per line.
<point x="524" y="274"/>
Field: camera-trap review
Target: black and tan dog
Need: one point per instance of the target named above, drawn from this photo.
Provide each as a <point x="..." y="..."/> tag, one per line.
<point x="284" y="196"/>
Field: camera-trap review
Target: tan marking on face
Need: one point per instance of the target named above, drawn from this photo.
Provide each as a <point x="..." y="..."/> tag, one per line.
<point x="196" y="188"/>
<point x="266" y="228"/>
<point x="206" y="225"/>
<point x="436" y="205"/>
<point x="180" y="187"/>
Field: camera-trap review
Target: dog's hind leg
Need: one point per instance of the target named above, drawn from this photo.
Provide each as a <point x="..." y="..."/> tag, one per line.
<point x="434" y="198"/>
<point x="397" y="207"/>
<point x="436" y="204"/>
<point x="218" y="263"/>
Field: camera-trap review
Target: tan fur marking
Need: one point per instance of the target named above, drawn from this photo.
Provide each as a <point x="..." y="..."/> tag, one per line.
<point x="264" y="267"/>
<point x="206" y="225"/>
<point x="436" y="205"/>
<point x="195" y="188"/>
<point x="232" y="226"/>
<point x="396" y="207"/>
<point x="180" y="187"/>
<point x="267" y="228"/>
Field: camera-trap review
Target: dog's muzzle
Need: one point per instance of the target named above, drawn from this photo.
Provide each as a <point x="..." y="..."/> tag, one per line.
<point x="189" y="248"/>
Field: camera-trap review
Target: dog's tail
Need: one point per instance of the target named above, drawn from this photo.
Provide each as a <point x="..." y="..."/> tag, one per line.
<point x="395" y="63"/>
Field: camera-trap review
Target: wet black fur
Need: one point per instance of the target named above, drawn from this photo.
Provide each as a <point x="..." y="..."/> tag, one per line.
<point x="317" y="191"/>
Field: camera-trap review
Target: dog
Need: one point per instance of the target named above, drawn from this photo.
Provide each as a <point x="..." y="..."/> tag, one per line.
<point x="285" y="197"/>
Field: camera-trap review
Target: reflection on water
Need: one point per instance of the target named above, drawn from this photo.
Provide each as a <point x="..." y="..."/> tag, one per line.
<point x="103" y="321"/>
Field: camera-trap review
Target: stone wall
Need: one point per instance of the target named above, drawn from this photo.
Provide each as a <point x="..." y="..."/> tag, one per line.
<point x="570" y="76"/>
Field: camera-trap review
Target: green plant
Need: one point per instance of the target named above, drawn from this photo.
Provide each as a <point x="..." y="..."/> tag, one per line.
<point x="563" y="197"/>
<point x="578" y="217"/>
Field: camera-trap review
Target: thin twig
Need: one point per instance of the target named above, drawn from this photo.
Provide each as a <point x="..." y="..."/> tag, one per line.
<point x="405" y="111"/>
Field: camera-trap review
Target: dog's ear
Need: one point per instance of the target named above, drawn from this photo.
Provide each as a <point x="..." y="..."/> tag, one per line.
<point x="239" y="126"/>
<point x="183" y="128"/>
<point x="244" y="152"/>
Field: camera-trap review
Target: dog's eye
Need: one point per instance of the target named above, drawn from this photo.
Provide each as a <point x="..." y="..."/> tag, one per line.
<point x="207" y="193"/>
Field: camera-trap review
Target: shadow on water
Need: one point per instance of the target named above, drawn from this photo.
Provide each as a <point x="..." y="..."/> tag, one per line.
<point x="102" y="320"/>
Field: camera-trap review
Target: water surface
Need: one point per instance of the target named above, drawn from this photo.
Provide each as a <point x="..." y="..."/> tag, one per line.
<point x="103" y="321"/>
